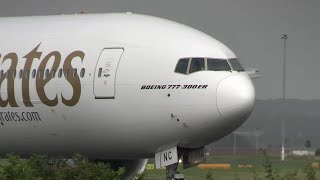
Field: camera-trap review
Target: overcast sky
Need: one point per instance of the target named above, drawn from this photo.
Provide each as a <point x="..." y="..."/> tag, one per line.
<point x="251" y="28"/>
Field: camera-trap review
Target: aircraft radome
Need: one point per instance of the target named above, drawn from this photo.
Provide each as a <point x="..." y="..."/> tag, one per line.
<point x="117" y="88"/>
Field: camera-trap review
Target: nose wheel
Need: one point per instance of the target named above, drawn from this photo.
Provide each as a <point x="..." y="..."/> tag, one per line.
<point x="172" y="174"/>
<point x="171" y="170"/>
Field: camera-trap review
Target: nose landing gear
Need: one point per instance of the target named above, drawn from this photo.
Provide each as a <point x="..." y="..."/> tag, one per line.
<point x="189" y="156"/>
<point x="172" y="174"/>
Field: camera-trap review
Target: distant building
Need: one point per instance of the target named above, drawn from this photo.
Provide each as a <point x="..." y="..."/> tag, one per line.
<point x="302" y="153"/>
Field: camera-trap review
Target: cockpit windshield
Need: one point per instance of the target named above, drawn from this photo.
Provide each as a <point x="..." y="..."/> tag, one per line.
<point x="197" y="64"/>
<point x="192" y="65"/>
<point x="182" y="66"/>
<point x="217" y="65"/>
<point x="236" y="66"/>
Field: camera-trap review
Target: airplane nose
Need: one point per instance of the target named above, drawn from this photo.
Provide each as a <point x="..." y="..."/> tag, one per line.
<point x="235" y="98"/>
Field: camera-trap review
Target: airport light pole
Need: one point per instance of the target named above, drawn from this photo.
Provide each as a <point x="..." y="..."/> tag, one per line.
<point x="284" y="37"/>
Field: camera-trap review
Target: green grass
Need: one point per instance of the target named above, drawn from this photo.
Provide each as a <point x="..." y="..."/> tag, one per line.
<point x="290" y="165"/>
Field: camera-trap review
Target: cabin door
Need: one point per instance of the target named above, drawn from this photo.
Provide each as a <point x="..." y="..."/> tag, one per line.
<point x="105" y="73"/>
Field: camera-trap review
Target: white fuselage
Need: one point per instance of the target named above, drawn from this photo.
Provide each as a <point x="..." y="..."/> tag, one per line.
<point x="135" y="118"/>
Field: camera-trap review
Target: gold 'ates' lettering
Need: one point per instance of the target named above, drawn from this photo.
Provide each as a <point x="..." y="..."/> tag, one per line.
<point x="10" y="81"/>
<point x="34" y="54"/>
<point x="41" y="80"/>
<point x="73" y="79"/>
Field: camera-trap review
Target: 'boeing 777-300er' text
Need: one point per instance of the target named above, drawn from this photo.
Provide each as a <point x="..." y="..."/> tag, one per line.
<point x="117" y="88"/>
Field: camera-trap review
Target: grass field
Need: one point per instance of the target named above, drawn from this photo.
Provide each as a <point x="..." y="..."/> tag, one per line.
<point x="279" y="168"/>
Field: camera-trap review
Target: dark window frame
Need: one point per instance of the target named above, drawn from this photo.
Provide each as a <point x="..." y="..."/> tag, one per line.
<point x="21" y="74"/>
<point x="188" y="65"/>
<point x="34" y="73"/>
<point x="99" y="72"/>
<point x="238" y="63"/>
<point x="47" y="74"/>
<point x="206" y="65"/>
<point x="75" y="72"/>
<point x="53" y="71"/>
<point x="225" y="60"/>
<point x="60" y="73"/>
<point x="82" y="72"/>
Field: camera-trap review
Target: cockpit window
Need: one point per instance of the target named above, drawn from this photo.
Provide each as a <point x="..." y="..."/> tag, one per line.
<point x="197" y="64"/>
<point x="218" y="65"/>
<point x="182" y="66"/>
<point x="236" y="66"/>
<point x="190" y="65"/>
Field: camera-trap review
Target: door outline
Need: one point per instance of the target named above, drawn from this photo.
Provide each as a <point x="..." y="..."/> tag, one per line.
<point x="115" y="74"/>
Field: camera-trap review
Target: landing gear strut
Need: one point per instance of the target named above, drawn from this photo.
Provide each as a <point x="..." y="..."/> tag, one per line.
<point x="171" y="170"/>
<point x="172" y="174"/>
